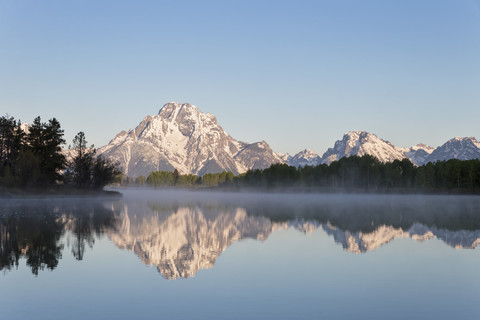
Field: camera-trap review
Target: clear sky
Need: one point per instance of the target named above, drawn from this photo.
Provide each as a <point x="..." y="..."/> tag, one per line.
<point x="298" y="74"/>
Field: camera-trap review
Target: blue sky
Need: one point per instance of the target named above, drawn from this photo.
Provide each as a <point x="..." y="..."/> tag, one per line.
<point x="297" y="74"/>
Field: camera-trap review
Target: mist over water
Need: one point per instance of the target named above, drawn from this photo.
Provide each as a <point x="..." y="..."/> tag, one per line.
<point x="214" y="238"/>
<point x="350" y="210"/>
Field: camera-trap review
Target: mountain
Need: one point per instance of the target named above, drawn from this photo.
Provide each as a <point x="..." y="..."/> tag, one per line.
<point x="456" y="148"/>
<point x="25" y="127"/>
<point x="418" y="154"/>
<point x="361" y="143"/>
<point x="183" y="138"/>
<point x="285" y="157"/>
<point x="304" y="158"/>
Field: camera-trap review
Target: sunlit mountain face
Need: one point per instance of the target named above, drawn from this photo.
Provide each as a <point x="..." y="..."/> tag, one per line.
<point x="181" y="233"/>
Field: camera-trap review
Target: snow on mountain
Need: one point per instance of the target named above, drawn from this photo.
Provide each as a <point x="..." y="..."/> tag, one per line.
<point x="418" y="154"/>
<point x="476" y="142"/>
<point x="256" y="155"/>
<point x="285" y="157"/>
<point x="361" y="143"/>
<point x="456" y="148"/>
<point x="25" y="127"/>
<point x="183" y="138"/>
<point x="68" y="153"/>
<point x="304" y="158"/>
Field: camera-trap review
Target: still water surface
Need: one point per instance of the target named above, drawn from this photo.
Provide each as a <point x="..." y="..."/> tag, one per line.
<point x="203" y="255"/>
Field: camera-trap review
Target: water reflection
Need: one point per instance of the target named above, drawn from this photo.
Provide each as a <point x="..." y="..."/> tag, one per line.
<point x="360" y="242"/>
<point x="33" y="229"/>
<point x="187" y="239"/>
<point x="182" y="235"/>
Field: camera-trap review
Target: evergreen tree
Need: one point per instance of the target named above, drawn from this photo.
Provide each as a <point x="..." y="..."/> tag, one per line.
<point x="45" y="140"/>
<point x="82" y="164"/>
<point x="54" y="160"/>
<point x="87" y="170"/>
<point x="161" y="179"/>
<point x="175" y="177"/>
<point x="104" y="172"/>
<point x="11" y="141"/>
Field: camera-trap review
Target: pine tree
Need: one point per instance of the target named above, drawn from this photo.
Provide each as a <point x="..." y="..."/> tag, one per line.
<point x="82" y="165"/>
<point x="175" y="177"/>
<point x="89" y="171"/>
<point x="44" y="141"/>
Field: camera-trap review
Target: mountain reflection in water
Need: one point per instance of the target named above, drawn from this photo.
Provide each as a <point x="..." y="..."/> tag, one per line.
<point x="185" y="233"/>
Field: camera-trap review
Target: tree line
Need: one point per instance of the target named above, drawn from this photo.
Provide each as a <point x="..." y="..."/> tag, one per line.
<point x="32" y="157"/>
<point x="368" y="174"/>
<point x="357" y="174"/>
<point x="175" y="179"/>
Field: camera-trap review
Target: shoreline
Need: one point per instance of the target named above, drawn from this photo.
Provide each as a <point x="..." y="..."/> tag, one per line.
<point x="59" y="193"/>
<point x="304" y="190"/>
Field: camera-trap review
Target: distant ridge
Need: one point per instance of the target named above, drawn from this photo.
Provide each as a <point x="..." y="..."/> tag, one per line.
<point x="360" y="143"/>
<point x="182" y="137"/>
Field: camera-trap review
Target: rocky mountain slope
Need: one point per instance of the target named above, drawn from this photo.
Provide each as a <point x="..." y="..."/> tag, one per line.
<point x="418" y="154"/>
<point x="456" y="148"/>
<point x="183" y="138"/>
<point x="303" y="158"/>
<point x="361" y="143"/>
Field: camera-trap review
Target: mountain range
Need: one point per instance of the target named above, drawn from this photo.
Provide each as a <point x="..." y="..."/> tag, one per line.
<point x="183" y="138"/>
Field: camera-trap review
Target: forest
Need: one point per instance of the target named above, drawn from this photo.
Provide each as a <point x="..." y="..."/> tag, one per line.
<point x="349" y="174"/>
<point x="32" y="158"/>
<point x="368" y="174"/>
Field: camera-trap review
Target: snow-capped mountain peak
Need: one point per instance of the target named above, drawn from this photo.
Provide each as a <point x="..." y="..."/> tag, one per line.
<point x="305" y="158"/>
<point x="418" y="153"/>
<point x="360" y="143"/>
<point x="182" y="137"/>
<point x="456" y="148"/>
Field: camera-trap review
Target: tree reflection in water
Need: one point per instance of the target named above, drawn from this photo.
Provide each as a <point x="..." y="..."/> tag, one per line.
<point x="33" y="229"/>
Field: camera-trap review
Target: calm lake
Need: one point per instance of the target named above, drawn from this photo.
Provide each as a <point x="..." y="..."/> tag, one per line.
<point x="204" y="255"/>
